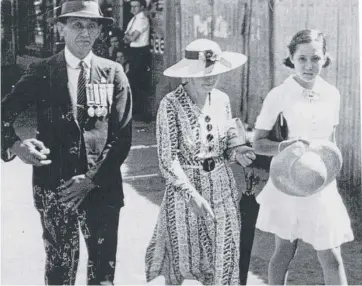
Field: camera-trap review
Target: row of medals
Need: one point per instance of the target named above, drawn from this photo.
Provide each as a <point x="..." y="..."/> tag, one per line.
<point x="99" y="98"/>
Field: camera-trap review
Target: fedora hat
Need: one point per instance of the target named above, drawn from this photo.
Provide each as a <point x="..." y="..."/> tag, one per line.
<point x="82" y="9"/>
<point x="204" y="57"/>
<point x="303" y="169"/>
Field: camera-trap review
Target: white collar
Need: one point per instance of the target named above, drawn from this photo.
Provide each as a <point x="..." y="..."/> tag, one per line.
<point x="293" y="85"/>
<point x="140" y="15"/>
<point x="73" y="61"/>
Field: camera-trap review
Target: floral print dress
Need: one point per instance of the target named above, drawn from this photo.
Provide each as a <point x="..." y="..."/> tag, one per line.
<point x="184" y="246"/>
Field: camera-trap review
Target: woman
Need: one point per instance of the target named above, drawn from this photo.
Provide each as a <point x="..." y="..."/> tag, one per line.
<point x="197" y="233"/>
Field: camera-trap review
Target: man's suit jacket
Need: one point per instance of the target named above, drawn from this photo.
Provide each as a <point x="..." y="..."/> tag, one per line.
<point x="97" y="150"/>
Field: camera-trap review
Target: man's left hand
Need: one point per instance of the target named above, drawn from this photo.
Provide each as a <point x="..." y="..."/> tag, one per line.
<point x="74" y="190"/>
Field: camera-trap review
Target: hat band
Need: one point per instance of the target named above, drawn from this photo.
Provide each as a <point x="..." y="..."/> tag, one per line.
<point x="210" y="58"/>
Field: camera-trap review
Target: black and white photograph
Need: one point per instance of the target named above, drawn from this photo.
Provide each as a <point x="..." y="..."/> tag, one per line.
<point x="181" y="142"/>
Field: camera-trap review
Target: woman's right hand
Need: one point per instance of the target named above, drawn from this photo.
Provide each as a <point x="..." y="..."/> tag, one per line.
<point x="200" y="207"/>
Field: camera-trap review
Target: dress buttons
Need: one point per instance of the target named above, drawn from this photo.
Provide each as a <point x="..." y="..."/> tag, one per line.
<point x="209" y="137"/>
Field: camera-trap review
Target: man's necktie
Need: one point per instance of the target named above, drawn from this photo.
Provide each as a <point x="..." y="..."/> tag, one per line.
<point x="82" y="96"/>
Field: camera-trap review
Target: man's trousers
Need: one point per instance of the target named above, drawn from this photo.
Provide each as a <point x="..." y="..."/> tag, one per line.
<point x="140" y="80"/>
<point x="98" y="221"/>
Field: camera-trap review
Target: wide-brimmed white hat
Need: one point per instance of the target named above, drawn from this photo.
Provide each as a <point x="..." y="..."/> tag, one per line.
<point x="204" y="57"/>
<point x="303" y="170"/>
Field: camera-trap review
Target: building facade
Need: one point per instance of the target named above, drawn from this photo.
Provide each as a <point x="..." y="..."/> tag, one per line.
<point x="261" y="29"/>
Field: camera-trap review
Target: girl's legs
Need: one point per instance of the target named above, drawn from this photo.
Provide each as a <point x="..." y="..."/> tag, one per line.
<point x="279" y="263"/>
<point x="333" y="268"/>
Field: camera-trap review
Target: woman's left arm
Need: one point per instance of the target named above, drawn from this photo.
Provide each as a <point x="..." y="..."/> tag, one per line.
<point x="236" y="148"/>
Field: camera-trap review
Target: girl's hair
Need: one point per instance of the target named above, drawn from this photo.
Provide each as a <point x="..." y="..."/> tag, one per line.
<point x="306" y="37"/>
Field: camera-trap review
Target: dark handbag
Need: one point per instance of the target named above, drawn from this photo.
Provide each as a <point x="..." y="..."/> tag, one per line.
<point x="278" y="133"/>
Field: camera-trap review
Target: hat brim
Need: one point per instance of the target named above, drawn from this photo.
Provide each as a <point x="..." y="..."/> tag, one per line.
<point x="81" y="14"/>
<point x="322" y="163"/>
<point x="187" y="68"/>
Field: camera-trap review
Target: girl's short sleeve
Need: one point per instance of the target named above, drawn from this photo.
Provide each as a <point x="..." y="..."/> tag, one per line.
<point x="272" y="106"/>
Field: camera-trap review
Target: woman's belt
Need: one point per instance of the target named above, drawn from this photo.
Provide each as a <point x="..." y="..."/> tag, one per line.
<point x="207" y="164"/>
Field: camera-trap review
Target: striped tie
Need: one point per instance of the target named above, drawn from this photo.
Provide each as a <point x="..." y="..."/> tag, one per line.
<point x="82" y="96"/>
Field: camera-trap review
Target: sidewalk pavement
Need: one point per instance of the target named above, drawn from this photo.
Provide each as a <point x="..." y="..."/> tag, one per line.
<point x="22" y="254"/>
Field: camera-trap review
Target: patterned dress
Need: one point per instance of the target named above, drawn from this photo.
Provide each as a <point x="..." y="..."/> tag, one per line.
<point x="184" y="246"/>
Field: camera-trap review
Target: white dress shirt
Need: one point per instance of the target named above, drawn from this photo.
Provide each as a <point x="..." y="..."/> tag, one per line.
<point x="73" y="71"/>
<point x="139" y="23"/>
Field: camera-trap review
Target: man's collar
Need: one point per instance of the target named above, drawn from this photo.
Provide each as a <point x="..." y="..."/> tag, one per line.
<point x="140" y="15"/>
<point x="73" y="61"/>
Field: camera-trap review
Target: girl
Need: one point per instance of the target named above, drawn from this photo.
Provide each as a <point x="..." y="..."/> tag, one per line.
<point x="311" y="108"/>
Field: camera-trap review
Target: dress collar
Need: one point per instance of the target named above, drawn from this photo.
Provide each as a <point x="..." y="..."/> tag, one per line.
<point x="313" y="93"/>
<point x="183" y="96"/>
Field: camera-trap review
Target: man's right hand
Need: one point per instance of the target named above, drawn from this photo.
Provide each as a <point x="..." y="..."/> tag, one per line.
<point x="31" y="151"/>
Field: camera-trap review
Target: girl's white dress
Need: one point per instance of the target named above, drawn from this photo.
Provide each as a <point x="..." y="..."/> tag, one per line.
<point x="321" y="219"/>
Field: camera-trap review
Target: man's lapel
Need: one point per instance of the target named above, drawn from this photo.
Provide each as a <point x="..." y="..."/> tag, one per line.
<point x="59" y="80"/>
<point x="99" y="72"/>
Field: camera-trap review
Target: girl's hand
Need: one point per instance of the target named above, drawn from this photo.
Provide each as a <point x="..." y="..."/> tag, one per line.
<point x="200" y="207"/>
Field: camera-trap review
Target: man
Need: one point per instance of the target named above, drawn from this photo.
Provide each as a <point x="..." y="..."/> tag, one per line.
<point x="83" y="137"/>
<point x="114" y="45"/>
<point x="122" y="59"/>
<point x="137" y="36"/>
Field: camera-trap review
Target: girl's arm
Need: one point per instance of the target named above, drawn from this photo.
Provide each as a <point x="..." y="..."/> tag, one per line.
<point x="333" y="135"/>
<point x="262" y="145"/>
<point x="272" y="106"/>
